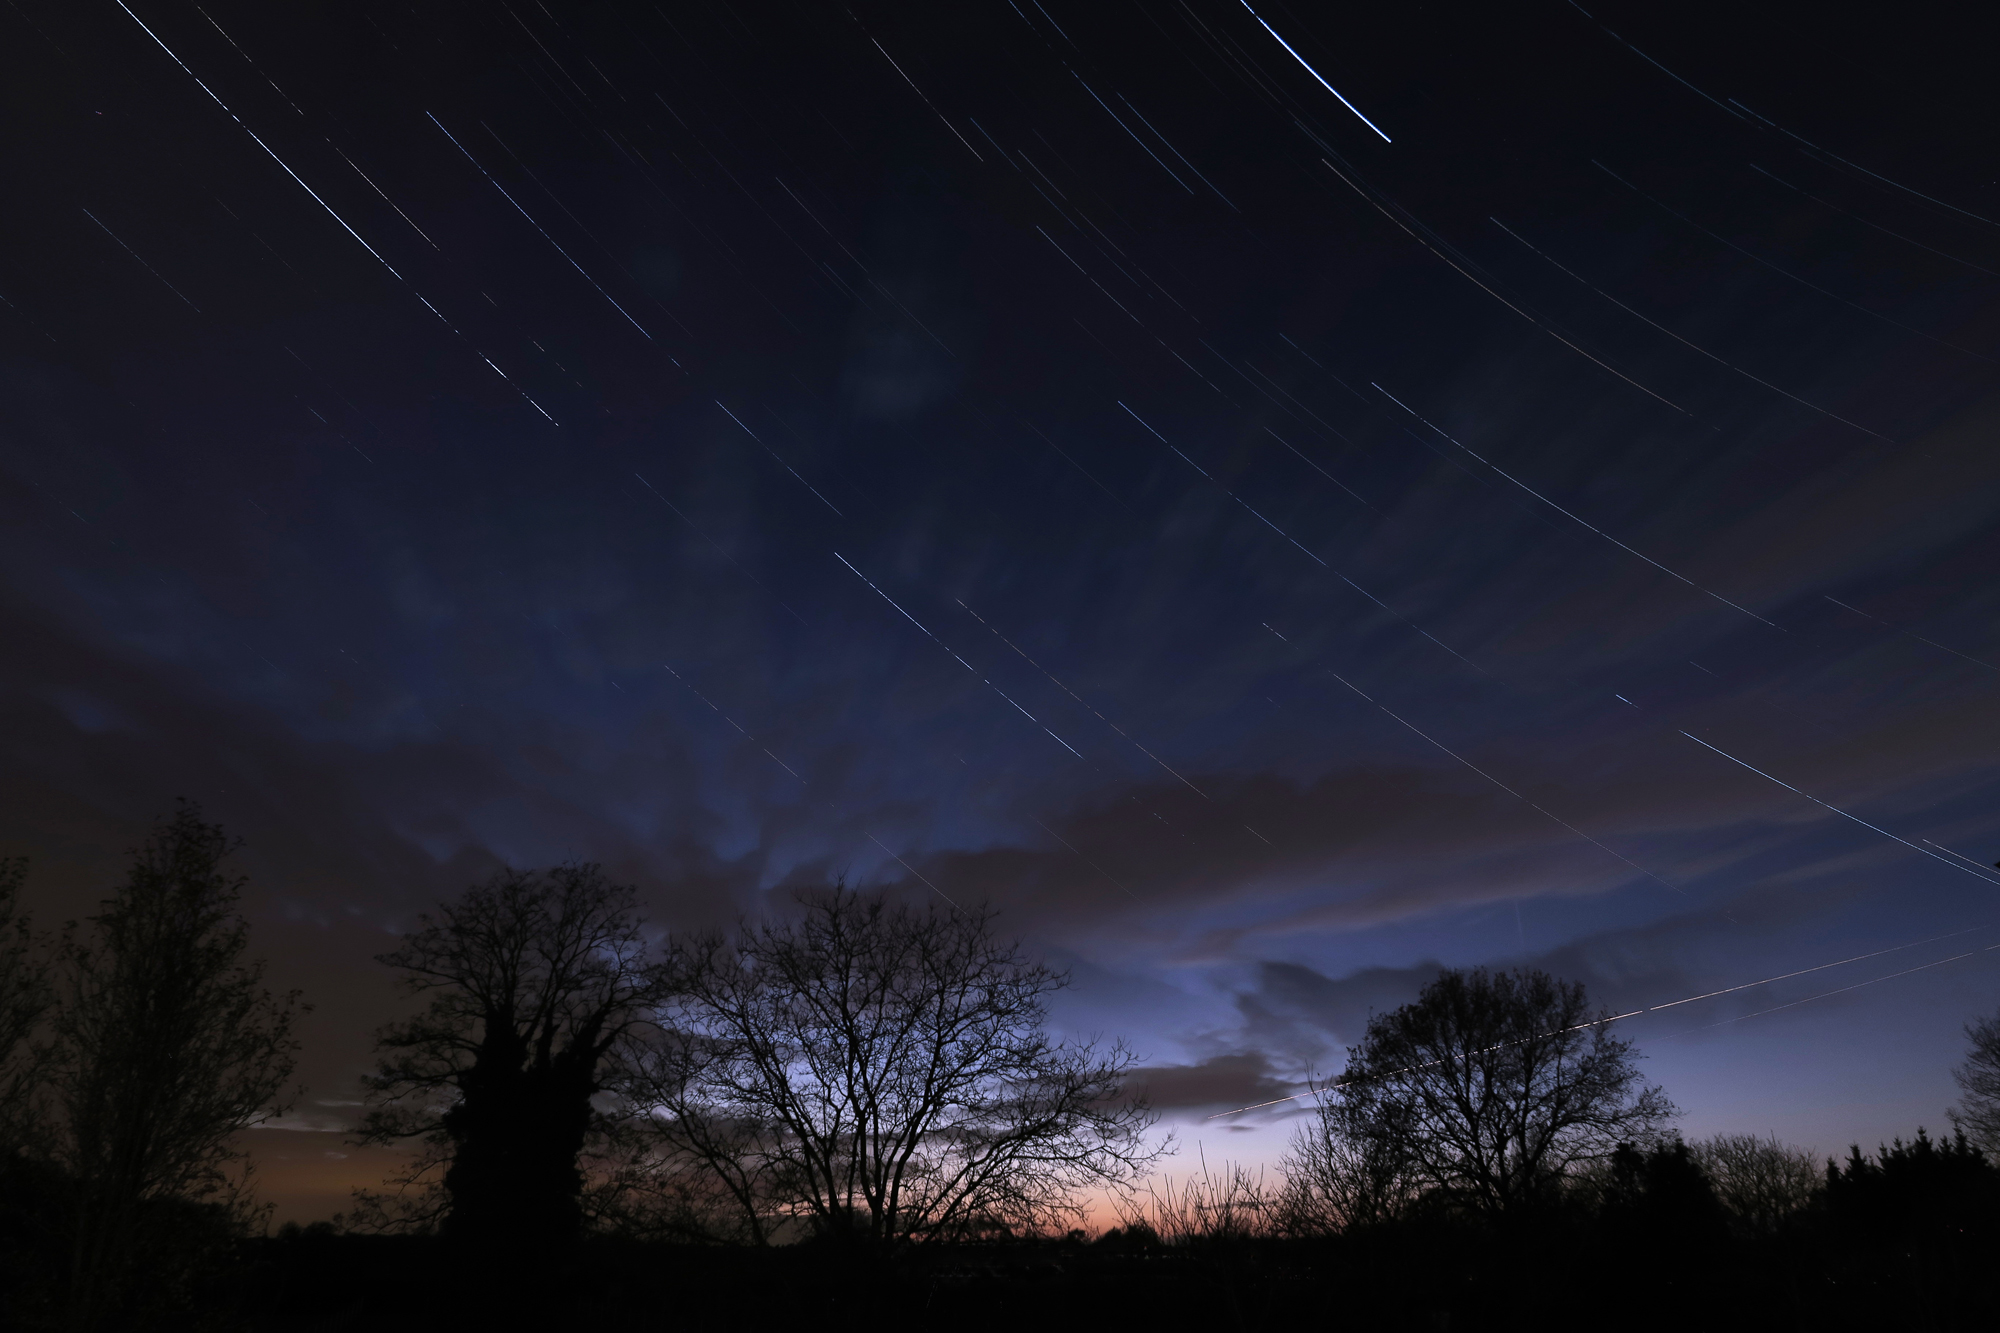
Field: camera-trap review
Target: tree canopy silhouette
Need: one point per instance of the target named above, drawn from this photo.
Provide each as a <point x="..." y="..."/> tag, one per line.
<point x="1979" y="1079"/>
<point x="24" y="998"/>
<point x="165" y="1045"/>
<point x="533" y="978"/>
<point x="1762" y="1182"/>
<point x="883" y="1073"/>
<point x="1662" y="1196"/>
<point x="1935" y="1188"/>
<point x="1487" y="1088"/>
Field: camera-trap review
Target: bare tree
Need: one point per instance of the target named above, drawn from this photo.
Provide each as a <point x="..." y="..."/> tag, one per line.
<point x="1489" y="1087"/>
<point x="1979" y="1078"/>
<point x="533" y="978"/>
<point x="1334" y="1182"/>
<point x="24" y="999"/>
<point x="165" y="1046"/>
<point x="1760" y="1181"/>
<point x="882" y="1073"/>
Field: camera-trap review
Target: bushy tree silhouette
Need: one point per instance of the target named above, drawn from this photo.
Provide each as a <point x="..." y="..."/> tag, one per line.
<point x="1662" y="1195"/>
<point x="1487" y="1089"/>
<point x="1979" y="1078"/>
<point x="533" y="979"/>
<point x="165" y="1045"/>
<point x="32" y="1197"/>
<point x="1762" y="1182"/>
<point x="24" y="999"/>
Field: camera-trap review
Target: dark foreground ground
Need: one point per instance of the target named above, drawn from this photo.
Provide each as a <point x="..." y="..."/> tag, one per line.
<point x="1412" y="1278"/>
<point x="1909" y="1243"/>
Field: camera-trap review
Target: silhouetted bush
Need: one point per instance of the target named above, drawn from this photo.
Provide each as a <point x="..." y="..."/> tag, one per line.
<point x="1662" y="1201"/>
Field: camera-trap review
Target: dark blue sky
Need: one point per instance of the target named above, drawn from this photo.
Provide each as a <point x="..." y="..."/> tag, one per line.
<point x="1083" y="467"/>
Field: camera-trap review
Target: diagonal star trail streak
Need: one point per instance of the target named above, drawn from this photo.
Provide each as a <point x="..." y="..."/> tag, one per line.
<point x="1687" y="999"/>
<point x="300" y="181"/>
<point x="1483" y="286"/>
<point x="1981" y="874"/>
<point x="1293" y="542"/>
<point x="141" y="261"/>
<point x="1580" y="522"/>
<point x="955" y="657"/>
<point x="1292" y="51"/>
<point x="1826" y="412"/>
<point x="569" y="258"/>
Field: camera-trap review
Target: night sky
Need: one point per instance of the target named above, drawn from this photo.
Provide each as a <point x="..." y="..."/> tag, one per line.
<point x="1056" y="455"/>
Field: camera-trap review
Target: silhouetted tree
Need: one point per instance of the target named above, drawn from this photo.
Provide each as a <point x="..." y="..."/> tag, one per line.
<point x="1979" y="1078"/>
<point x="24" y="999"/>
<point x="31" y="1193"/>
<point x="1662" y="1196"/>
<point x="1761" y="1182"/>
<point x="1334" y="1182"/>
<point x="533" y="978"/>
<point x="165" y="1045"/>
<point x="1489" y="1087"/>
<point x="881" y="1073"/>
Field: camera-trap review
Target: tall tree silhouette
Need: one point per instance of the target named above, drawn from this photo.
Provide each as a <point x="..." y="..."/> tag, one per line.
<point x="1487" y="1088"/>
<point x="881" y="1073"/>
<point x="533" y="978"/>
<point x="165" y="1046"/>
<point x="1979" y="1079"/>
<point x="24" y="999"/>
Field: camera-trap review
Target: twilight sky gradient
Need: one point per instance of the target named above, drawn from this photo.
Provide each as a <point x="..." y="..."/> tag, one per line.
<point x="1054" y="454"/>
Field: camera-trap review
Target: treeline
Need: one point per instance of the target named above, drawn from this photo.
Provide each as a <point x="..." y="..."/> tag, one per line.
<point x="857" y="1113"/>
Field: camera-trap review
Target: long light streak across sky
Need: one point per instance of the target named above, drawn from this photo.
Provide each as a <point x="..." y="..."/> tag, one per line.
<point x="955" y="657"/>
<point x="1673" y="1004"/>
<point x="781" y="462"/>
<point x="359" y="239"/>
<point x="538" y="227"/>
<point x="1691" y="345"/>
<point x="1568" y="515"/>
<point x="1210" y="477"/>
<point x="1841" y="990"/>
<point x="1294" y="54"/>
<point x="1982" y="875"/>
<point x="1093" y="711"/>
<point x="142" y="261"/>
<point x="1735" y="108"/>
<point x="1483" y="286"/>
<point x="259" y="142"/>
